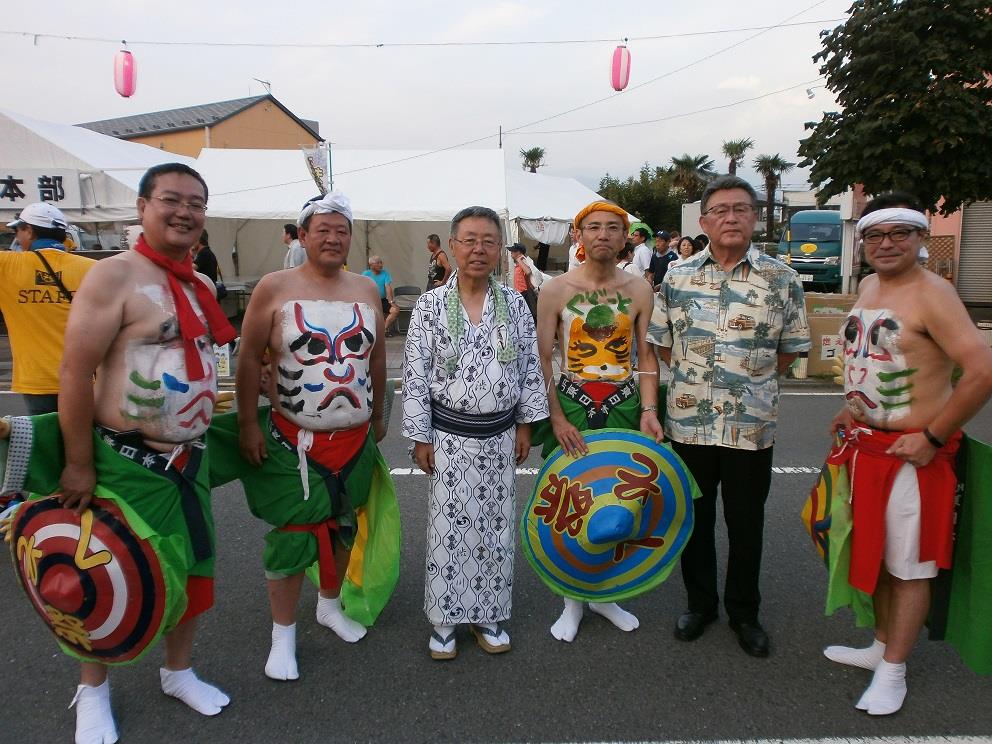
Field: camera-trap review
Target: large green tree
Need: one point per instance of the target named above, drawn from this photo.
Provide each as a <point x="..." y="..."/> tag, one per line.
<point x="735" y="150"/>
<point x="533" y="158"/>
<point x="912" y="79"/>
<point x="650" y="195"/>
<point x="691" y="172"/>
<point x="771" y="168"/>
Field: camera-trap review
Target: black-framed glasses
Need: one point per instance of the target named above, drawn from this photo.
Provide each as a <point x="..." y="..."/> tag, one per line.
<point x="896" y="235"/>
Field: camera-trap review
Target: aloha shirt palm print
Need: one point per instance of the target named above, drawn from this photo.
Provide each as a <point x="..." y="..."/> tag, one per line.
<point x="726" y="329"/>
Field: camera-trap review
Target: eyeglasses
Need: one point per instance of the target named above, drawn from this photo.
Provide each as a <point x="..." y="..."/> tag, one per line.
<point x="173" y="204"/>
<point x="898" y="235"/>
<point x="722" y="210"/>
<point x="470" y="243"/>
<point x="612" y="228"/>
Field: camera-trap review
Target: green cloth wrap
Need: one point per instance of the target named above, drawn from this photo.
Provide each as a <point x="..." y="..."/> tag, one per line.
<point x="275" y="495"/>
<point x="626" y="415"/>
<point x="149" y="501"/>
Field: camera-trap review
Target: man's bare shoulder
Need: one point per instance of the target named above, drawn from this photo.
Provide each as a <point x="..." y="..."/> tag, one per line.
<point x="110" y="275"/>
<point x="638" y="288"/>
<point x="361" y="281"/>
<point x="557" y="286"/>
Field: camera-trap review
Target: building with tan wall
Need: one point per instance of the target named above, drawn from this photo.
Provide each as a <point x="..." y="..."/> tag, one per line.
<point x="259" y="122"/>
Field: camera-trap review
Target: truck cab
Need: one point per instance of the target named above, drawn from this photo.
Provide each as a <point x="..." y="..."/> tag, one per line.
<point x="811" y="244"/>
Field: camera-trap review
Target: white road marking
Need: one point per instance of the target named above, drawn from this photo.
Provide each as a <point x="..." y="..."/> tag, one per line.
<point x="831" y="740"/>
<point x="780" y="470"/>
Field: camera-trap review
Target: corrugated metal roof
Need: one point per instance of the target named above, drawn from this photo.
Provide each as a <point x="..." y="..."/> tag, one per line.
<point x="190" y="117"/>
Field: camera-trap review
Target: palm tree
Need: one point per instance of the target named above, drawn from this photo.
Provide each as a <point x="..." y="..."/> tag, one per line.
<point x="690" y="173"/>
<point x="704" y="409"/>
<point x="757" y="341"/>
<point x="771" y="168"/>
<point x="735" y="150"/>
<point x="533" y="158"/>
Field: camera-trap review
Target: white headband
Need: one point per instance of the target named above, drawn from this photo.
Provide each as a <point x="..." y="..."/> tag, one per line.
<point x="335" y="201"/>
<point x="900" y="215"/>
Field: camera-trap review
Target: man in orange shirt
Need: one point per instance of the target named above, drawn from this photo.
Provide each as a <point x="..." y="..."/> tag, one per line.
<point x="36" y="288"/>
<point x="523" y="276"/>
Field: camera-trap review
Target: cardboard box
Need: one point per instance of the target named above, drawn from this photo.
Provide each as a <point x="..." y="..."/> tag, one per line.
<point x="824" y="303"/>
<point x="827" y="343"/>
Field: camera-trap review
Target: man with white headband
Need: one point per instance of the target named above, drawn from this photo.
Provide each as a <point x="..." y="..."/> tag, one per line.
<point x="315" y="470"/>
<point x="901" y="423"/>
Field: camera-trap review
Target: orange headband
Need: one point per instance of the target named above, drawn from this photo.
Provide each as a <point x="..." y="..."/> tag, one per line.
<point x="601" y="206"/>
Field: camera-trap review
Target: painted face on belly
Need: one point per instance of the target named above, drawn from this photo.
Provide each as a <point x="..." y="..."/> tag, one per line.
<point x="158" y="397"/>
<point x="878" y="383"/>
<point x="599" y="344"/>
<point x="323" y="376"/>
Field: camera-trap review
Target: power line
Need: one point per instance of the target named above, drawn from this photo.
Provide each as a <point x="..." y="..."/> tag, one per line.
<point x="674" y="116"/>
<point x="563" y="113"/>
<point x="598" y="100"/>
<point x="561" y="131"/>
<point x="410" y="44"/>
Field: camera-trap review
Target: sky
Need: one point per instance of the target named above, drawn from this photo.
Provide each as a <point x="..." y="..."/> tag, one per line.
<point x="400" y="96"/>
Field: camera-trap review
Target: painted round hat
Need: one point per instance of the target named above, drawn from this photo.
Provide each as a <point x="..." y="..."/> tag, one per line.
<point x="608" y="525"/>
<point x="100" y="588"/>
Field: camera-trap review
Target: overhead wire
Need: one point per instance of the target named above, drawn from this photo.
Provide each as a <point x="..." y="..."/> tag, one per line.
<point x="580" y="107"/>
<point x="404" y="44"/>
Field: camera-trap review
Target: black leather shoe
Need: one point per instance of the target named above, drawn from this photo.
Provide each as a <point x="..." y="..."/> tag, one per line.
<point x="752" y="638"/>
<point x="691" y="625"/>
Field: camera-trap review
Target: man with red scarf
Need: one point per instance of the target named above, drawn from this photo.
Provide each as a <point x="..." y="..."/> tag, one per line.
<point x="901" y="423"/>
<point x="138" y="386"/>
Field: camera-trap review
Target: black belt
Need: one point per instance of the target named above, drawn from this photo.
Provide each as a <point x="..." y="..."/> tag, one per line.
<point x="471" y="425"/>
<point x="131" y="445"/>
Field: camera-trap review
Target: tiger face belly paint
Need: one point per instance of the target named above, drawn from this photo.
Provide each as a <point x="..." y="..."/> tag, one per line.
<point x="322" y="375"/>
<point x="598" y="342"/>
<point x="878" y="383"/>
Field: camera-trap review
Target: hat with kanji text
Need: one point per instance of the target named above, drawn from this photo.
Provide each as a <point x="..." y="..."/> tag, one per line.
<point x="40" y="214"/>
<point x="611" y="524"/>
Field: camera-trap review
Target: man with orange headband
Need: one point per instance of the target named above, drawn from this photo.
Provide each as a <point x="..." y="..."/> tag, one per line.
<point x="600" y="314"/>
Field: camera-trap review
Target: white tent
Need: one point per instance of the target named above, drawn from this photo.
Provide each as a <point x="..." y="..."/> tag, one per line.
<point x="89" y="176"/>
<point x="396" y="206"/>
<point x="398" y="197"/>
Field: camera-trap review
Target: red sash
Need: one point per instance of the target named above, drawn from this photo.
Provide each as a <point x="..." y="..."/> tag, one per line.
<point x="872" y="473"/>
<point x="190" y="325"/>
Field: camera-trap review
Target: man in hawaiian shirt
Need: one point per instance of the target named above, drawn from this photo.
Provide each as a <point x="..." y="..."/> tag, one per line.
<point x="729" y="320"/>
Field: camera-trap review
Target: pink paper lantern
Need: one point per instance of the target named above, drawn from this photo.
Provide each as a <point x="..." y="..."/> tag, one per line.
<point x="125" y="73"/>
<point x="620" y="74"/>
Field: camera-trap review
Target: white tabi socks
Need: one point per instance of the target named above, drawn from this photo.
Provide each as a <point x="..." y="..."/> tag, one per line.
<point x="94" y="719"/>
<point x="281" y="664"/>
<point x="567" y="626"/>
<point x="619" y="617"/>
<point x="330" y="615"/>
<point x="198" y="695"/>
<point x="887" y="690"/>
<point x="865" y="658"/>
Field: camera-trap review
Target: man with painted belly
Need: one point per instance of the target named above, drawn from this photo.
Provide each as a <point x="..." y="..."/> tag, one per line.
<point x="143" y="324"/>
<point x="600" y="315"/>
<point x="901" y="424"/>
<point x="313" y="452"/>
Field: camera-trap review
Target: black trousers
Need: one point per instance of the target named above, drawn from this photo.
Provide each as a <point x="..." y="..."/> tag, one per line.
<point x="744" y="477"/>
